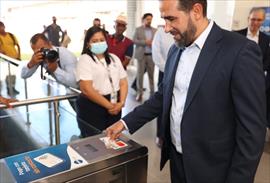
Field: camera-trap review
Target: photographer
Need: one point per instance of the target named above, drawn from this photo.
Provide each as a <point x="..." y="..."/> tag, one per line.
<point x="59" y="62"/>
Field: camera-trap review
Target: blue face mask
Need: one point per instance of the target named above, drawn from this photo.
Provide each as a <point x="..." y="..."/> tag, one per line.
<point x="98" y="48"/>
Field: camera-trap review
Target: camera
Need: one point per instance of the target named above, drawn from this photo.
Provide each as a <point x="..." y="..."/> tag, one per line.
<point x="49" y="54"/>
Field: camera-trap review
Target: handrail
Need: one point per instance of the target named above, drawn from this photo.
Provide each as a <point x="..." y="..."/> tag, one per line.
<point x="39" y="100"/>
<point x="9" y="59"/>
<point x="50" y="78"/>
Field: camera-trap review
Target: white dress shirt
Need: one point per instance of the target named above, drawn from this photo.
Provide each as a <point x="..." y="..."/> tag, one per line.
<point x="65" y="74"/>
<point x="253" y="38"/>
<point x="183" y="76"/>
<point x="160" y="47"/>
<point x="148" y="36"/>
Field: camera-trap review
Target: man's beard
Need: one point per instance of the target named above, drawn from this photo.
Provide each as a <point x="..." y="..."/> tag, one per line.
<point x="187" y="37"/>
<point x="148" y="25"/>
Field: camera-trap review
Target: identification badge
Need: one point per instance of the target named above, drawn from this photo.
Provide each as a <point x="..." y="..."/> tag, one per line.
<point x="114" y="97"/>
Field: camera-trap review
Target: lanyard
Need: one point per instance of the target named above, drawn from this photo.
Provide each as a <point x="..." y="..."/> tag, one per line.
<point x="109" y="75"/>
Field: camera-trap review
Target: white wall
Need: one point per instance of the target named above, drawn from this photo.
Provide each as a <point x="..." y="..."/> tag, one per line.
<point x="221" y="12"/>
<point x="150" y="6"/>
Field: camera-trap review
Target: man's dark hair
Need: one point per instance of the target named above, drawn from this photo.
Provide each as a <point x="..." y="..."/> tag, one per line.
<point x="38" y="36"/>
<point x="2" y="24"/>
<point x="97" y="19"/>
<point x="146" y="15"/>
<point x="186" y="5"/>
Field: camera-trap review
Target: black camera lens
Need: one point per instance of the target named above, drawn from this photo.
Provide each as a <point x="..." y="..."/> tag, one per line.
<point x="49" y="54"/>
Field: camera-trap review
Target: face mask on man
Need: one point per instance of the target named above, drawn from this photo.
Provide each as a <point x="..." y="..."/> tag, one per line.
<point x="98" y="48"/>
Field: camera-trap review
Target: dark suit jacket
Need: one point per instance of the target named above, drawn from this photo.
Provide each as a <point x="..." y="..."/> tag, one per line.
<point x="264" y="43"/>
<point x="223" y="124"/>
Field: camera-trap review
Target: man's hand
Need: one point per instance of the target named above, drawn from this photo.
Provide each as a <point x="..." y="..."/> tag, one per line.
<point x="125" y="62"/>
<point x="36" y="59"/>
<point x="114" y="131"/>
<point x="7" y="101"/>
<point x="148" y="42"/>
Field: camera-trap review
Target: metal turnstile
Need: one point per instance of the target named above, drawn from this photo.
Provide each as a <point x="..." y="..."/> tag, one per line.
<point x="86" y="160"/>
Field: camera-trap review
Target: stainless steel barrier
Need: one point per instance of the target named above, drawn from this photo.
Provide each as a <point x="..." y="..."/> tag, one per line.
<point x="86" y="160"/>
<point x="55" y="100"/>
<point x="31" y="120"/>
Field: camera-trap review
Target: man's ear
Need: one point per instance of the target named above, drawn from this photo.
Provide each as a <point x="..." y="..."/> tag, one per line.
<point x="197" y="11"/>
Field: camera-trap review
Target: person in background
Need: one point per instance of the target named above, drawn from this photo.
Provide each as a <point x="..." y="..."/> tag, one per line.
<point x="61" y="67"/>
<point x="66" y="40"/>
<point x="212" y="100"/>
<point x="119" y="44"/>
<point x="160" y="47"/>
<point x="96" y="22"/>
<point x="54" y="33"/>
<point x="9" y="46"/>
<point x="255" y="19"/>
<point x="143" y="38"/>
<point x="103" y="83"/>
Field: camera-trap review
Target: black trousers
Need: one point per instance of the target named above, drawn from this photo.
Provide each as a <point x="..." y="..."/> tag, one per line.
<point x="176" y="166"/>
<point x="267" y="81"/>
<point x="160" y="78"/>
<point x="92" y="118"/>
<point x="268" y="106"/>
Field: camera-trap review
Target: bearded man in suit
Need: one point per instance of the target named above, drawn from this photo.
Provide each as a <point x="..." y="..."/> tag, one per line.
<point x="212" y="100"/>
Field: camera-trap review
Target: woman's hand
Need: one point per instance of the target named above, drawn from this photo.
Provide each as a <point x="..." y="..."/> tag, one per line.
<point x="7" y="101"/>
<point x="116" y="108"/>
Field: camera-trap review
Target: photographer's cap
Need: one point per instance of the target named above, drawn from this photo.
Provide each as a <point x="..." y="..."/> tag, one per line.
<point x="121" y="19"/>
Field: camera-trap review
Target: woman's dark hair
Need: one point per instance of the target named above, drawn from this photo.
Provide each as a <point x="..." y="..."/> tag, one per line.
<point x="89" y="34"/>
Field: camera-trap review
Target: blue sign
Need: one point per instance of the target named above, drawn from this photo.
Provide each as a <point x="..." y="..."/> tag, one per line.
<point x="266" y="24"/>
<point x="37" y="164"/>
